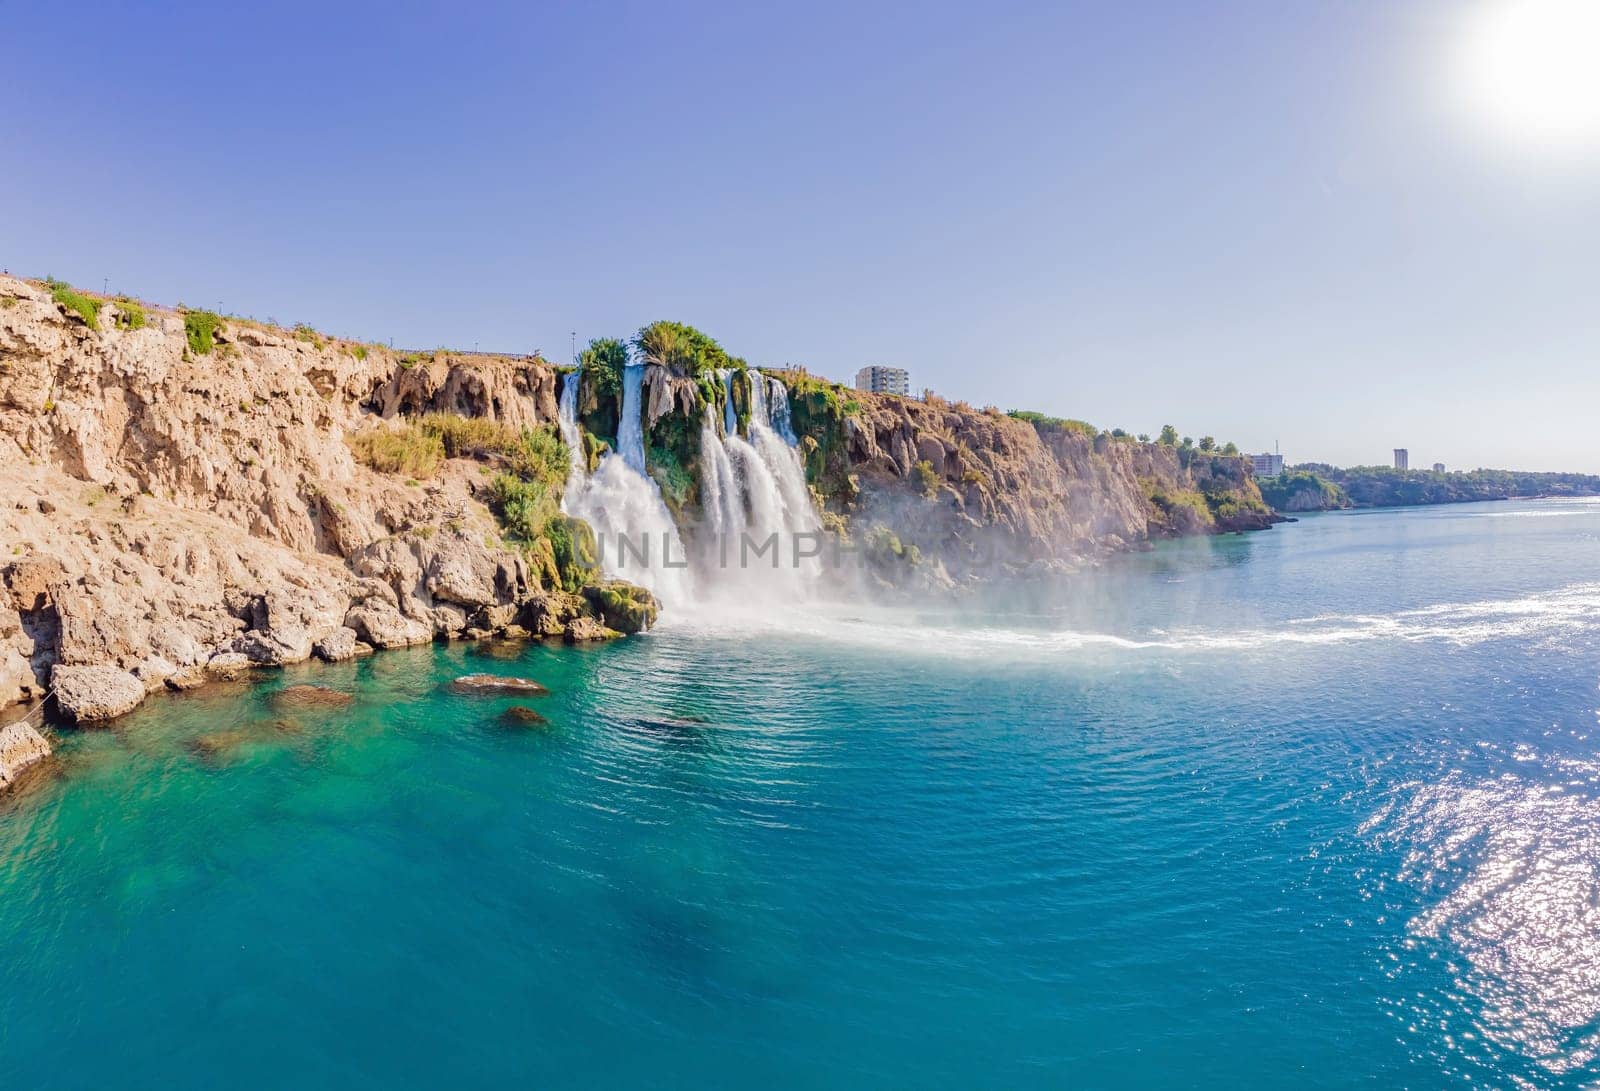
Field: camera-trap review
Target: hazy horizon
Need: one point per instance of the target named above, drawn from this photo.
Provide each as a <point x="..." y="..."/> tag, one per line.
<point x="1343" y="229"/>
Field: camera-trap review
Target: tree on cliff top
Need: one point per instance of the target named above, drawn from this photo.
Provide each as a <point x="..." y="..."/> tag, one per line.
<point x="1169" y="435"/>
<point x="682" y="348"/>
<point x="602" y="363"/>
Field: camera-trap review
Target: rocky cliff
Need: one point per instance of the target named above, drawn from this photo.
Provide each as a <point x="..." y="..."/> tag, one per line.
<point x="966" y="494"/>
<point x="181" y="501"/>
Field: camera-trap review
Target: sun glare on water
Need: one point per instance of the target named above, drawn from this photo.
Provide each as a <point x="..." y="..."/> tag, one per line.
<point x="1531" y="69"/>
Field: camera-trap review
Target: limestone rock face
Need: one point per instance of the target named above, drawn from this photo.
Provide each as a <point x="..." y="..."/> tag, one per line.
<point x="32" y="580"/>
<point x="665" y="392"/>
<point x="20" y="747"/>
<point x="96" y="693"/>
<point x="983" y="495"/>
<point x="520" y="393"/>
<point x="176" y="517"/>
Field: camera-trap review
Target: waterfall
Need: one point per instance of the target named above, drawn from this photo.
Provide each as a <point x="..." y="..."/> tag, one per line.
<point x="720" y="497"/>
<point x="769" y="500"/>
<point x="637" y="537"/>
<point x="630" y="432"/>
<point x="779" y="415"/>
<point x="567" y="421"/>
<point x="755" y="506"/>
<point x="782" y="460"/>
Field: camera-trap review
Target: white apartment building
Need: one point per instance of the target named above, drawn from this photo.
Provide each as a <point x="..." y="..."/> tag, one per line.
<point x="1267" y="465"/>
<point x="884" y="380"/>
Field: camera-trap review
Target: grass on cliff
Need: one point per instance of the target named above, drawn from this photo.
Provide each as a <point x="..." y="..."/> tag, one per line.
<point x="200" y="327"/>
<point x="130" y="315"/>
<point x="74" y="301"/>
<point x="421" y="446"/>
<point x="408" y="451"/>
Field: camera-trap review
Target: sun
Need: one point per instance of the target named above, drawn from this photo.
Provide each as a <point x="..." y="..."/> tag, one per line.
<point x="1531" y="68"/>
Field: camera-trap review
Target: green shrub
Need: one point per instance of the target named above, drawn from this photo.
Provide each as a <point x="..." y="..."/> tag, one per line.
<point x="677" y="484"/>
<point x="575" y="555"/>
<point x="75" y="301"/>
<point x="200" y="328"/>
<point x="927" y="479"/>
<point x="359" y="351"/>
<point x="1054" y="424"/>
<point x="524" y="505"/>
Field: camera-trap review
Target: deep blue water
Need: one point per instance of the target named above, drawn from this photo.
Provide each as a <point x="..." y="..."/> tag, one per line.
<point x="1316" y="807"/>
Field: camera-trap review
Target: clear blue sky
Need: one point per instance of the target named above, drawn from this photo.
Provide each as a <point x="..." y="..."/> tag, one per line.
<point x="1257" y="220"/>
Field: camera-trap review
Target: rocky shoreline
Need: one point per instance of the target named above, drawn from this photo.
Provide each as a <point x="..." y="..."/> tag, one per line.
<point x="170" y="517"/>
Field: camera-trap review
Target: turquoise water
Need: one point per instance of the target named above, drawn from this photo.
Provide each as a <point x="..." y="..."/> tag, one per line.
<point x="1316" y="807"/>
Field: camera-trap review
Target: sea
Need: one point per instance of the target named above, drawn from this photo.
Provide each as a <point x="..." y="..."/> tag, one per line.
<point x="1315" y="807"/>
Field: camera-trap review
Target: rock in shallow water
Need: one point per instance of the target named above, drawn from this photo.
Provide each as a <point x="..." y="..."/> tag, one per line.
<point x="582" y="630"/>
<point x="20" y="747"/>
<point x="494" y="684"/>
<point x="522" y="716"/>
<point x="338" y="645"/>
<point x="96" y="693"/>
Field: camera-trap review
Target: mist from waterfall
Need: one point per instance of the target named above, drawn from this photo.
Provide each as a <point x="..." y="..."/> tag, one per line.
<point x="637" y="537"/>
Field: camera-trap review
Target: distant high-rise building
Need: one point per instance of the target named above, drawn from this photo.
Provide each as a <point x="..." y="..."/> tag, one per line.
<point x="1402" y="458"/>
<point x="1267" y="465"/>
<point x="884" y="380"/>
<point x="1438" y="467"/>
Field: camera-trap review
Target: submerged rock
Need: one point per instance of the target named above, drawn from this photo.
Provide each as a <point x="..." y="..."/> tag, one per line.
<point x="493" y="684"/>
<point x="522" y="716"/>
<point x="500" y="649"/>
<point x="306" y="696"/>
<point x="217" y="747"/>
<point x="20" y="747"/>
<point x="96" y="693"/>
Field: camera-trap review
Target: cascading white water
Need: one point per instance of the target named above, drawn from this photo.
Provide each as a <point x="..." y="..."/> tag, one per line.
<point x="782" y="423"/>
<point x="771" y="517"/>
<point x="720" y="497"/>
<point x="630" y="429"/>
<point x="637" y="537"/>
<point x="730" y="419"/>
<point x="757" y="511"/>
